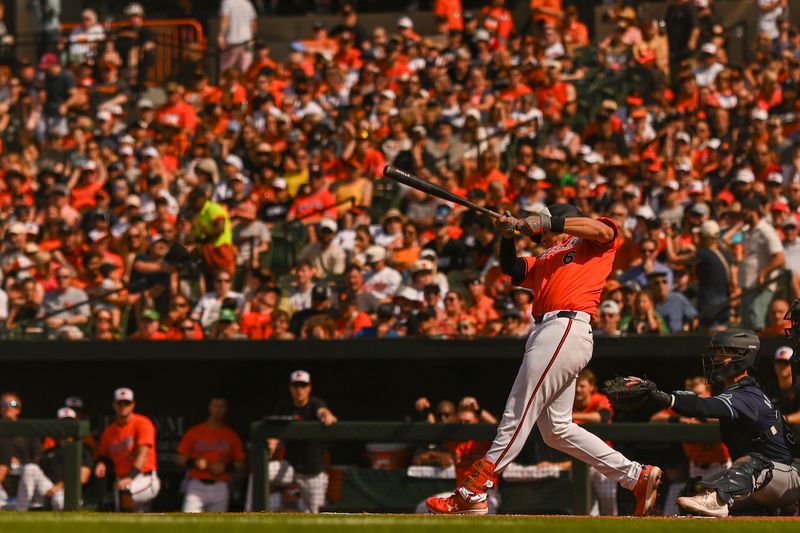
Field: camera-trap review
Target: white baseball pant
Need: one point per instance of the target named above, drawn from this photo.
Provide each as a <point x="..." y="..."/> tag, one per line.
<point x="143" y="490"/>
<point x="206" y="497"/>
<point x="312" y="491"/>
<point x="33" y="487"/>
<point x="543" y="393"/>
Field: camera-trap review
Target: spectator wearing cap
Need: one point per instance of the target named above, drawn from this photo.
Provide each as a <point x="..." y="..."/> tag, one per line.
<point x="648" y="264"/>
<point x="715" y="270"/>
<point x="136" y="45"/>
<point x="481" y="306"/>
<point x="408" y="253"/>
<point x="321" y="304"/>
<point x="676" y="309"/>
<point x="763" y="159"/>
<point x="791" y="249"/>
<point x="275" y="205"/>
<point x="42" y="484"/>
<point x="82" y="40"/>
<point x="149" y="327"/>
<point x="226" y="326"/>
<point x="762" y="257"/>
<point x="178" y="325"/>
<point x="307" y="458"/>
<point x="327" y="257"/>
<point x="708" y="69"/>
<point x="299" y="296"/>
<point x="250" y="236"/>
<point x="381" y="280"/>
<point x="390" y="235"/>
<point x="211" y="304"/>
<point x="385" y="326"/>
<point x="608" y="319"/>
<point x="212" y="229"/>
<point x="68" y="317"/>
<point x="128" y="444"/>
<point x="786" y="393"/>
<point x="14" y="451"/>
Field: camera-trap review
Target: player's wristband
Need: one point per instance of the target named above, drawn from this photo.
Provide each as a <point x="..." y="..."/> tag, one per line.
<point x="557" y="224"/>
<point x="190" y="463"/>
<point x="134" y="472"/>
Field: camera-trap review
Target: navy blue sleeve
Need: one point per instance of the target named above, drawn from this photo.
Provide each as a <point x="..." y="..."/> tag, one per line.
<point x="690" y="404"/>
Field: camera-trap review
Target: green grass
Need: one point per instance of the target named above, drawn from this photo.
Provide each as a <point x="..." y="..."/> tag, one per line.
<point x="235" y="523"/>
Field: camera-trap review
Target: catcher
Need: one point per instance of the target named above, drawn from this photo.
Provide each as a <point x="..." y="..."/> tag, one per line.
<point x="766" y="464"/>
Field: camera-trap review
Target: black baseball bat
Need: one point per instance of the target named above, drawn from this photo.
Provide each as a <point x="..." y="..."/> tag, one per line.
<point x="418" y="183"/>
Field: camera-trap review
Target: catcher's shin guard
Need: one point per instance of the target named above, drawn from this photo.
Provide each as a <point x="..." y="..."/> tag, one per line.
<point x="481" y="476"/>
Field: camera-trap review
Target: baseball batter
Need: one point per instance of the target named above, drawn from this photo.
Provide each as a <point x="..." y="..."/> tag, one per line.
<point x="567" y="279"/>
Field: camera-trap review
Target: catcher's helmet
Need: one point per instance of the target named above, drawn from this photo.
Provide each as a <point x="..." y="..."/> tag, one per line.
<point x="741" y="344"/>
<point x="794" y="315"/>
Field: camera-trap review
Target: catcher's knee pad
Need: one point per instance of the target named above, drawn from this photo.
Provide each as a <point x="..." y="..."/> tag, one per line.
<point x="481" y="476"/>
<point x="739" y="481"/>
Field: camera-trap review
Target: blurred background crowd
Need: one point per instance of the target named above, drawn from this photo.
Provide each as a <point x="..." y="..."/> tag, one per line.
<point x="267" y="173"/>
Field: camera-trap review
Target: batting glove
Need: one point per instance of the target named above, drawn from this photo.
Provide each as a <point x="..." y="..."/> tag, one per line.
<point x="506" y="224"/>
<point x="534" y="224"/>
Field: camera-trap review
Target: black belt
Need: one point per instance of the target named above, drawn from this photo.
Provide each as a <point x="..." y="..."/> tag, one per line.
<point x="561" y="314"/>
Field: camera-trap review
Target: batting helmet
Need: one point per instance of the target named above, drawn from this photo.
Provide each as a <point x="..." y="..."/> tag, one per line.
<point x="564" y="210"/>
<point x="740" y="344"/>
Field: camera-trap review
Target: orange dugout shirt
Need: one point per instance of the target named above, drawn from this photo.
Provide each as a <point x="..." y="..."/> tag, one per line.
<point x="215" y="445"/>
<point x="120" y="442"/>
<point x="571" y="276"/>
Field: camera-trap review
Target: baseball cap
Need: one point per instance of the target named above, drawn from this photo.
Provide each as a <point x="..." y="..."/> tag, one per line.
<point x="123" y="394"/>
<point x="133" y="201"/>
<point x="700" y="209"/>
<point x="235" y="161"/>
<point x="782" y="207"/>
<point x="646" y="212"/>
<point x="151" y="314"/>
<point x="593" y="158"/>
<point x="279" y="183"/>
<point x="320" y="292"/>
<point x="536" y="173"/>
<point x="97" y="235"/>
<point x="66" y="412"/>
<point x="17" y="228"/>
<point x="48" y="60"/>
<point x="429" y="254"/>
<point x="745" y="175"/>
<point x="300" y="376"/>
<point x="775" y="177"/>
<point x="759" y="114"/>
<point x="328" y="224"/>
<point x="709" y="48"/>
<point x="145" y="103"/>
<point x="714" y="144"/>
<point x="784" y="353"/>
<point x="103" y="115"/>
<point x="683" y="166"/>
<point x="790" y="222"/>
<point x="150" y="151"/>
<point x="422" y="265"/>
<point x="709" y="228"/>
<point x="673" y="185"/>
<point x="375" y="253"/>
<point x="696" y="187"/>
<point x="227" y="315"/>
<point x="405" y="22"/>
<point x="609" y="306"/>
<point x="683" y="136"/>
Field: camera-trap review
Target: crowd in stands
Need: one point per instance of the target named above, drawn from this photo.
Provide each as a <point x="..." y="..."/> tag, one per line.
<point x="253" y="206"/>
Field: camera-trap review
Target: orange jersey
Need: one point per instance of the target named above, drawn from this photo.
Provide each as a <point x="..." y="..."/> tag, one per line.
<point x="215" y="445"/>
<point x="120" y="442"/>
<point x="597" y="402"/>
<point x="572" y="275"/>
<point x="702" y="453"/>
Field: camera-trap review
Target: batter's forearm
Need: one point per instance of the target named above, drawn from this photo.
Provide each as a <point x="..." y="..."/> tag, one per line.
<point x="589" y="228"/>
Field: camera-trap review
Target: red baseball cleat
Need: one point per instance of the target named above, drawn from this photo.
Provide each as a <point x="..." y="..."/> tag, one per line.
<point x="646" y="490"/>
<point x="455" y="504"/>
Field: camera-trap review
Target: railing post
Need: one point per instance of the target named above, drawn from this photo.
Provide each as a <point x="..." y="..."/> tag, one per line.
<point x="73" y="453"/>
<point x="260" y="461"/>
<point x="581" y="488"/>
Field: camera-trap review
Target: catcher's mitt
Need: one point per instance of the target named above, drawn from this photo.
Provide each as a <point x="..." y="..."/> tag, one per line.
<point x="629" y="393"/>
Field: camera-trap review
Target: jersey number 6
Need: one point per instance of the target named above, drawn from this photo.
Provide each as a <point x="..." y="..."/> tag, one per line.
<point x="569" y="257"/>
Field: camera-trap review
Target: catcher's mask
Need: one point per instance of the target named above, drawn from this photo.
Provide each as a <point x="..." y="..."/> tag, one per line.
<point x="741" y="345"/>
<point x="559" y="210"/>
<point x="793" y="314"/>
